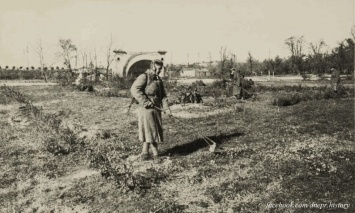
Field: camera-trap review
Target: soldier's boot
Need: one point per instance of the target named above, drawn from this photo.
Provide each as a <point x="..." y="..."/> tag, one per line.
<point x="154" y="147"/>
<point x="156" y="159"/>
<point x="145" y="151"/>
<point x="144" y="157"/>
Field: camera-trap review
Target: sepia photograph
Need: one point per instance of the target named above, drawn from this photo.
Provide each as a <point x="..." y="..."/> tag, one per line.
<point x="173" y="106"/>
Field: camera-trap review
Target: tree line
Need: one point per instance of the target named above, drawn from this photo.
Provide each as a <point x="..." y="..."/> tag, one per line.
<point x="304" y="58"/>
<point x="68" y="55"/>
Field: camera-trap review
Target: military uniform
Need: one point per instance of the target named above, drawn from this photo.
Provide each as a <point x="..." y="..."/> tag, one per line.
<point x="148" y="88"/>
<point x="236" y="83"/>
<point x="335" y="79"/>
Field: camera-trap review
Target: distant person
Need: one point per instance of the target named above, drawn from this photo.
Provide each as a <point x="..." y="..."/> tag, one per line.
<point x="236" y="83"/>
<point x="82" y="83"/>
<point x="149" y="91"/>
<point x="188" y="90"/>
<point x="197" y="98"/>
<point x="335" y="78"/>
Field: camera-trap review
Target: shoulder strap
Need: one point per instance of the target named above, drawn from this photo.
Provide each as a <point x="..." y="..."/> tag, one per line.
<point x="147" y="82"/>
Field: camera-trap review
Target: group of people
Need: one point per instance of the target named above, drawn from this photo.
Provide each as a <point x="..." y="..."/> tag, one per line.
<point x="190" y="96"/>
<point x="82" y="83"/>
<point x="148" y="90"/>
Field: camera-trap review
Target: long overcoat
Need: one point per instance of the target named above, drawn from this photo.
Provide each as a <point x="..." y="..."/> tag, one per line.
<point x="236" y="83"/>
<point x="148" y="87"/>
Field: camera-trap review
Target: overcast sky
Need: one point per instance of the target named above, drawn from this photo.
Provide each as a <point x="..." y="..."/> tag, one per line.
<point x="181" y="27"/>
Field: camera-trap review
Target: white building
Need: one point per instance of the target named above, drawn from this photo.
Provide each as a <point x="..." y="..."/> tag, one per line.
<point x="188" y="73"/>
<point x="134" y="63"/>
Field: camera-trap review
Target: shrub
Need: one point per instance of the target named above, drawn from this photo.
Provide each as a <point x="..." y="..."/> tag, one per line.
<point x="217" y="88"/>
<point x="308" y="94"/>
<point x="65" y="78"/>
<point x="113" y="92"/>
<point x="287" y="100"/>
<point x="61" y="140"/>
<point x="119" y="82"/>
<point x="306" y="76"/>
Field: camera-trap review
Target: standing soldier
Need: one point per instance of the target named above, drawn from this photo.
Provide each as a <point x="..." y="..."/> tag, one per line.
<point x="148" y="90"/>
<point x="236" y="83"/>
<point x="335" y="79"/>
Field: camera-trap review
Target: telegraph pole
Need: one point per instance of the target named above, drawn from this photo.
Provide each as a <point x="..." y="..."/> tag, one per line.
<point x="76" y="59"/>
<point x="27" y="56"/>
<point x="171" y="64"/>
<point x="353" y="32"/>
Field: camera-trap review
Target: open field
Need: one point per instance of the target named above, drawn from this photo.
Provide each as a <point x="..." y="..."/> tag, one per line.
<point x="75" y="156"/>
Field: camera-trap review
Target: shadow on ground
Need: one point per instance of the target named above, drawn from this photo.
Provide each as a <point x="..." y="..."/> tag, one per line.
<point x="193" y="146"/>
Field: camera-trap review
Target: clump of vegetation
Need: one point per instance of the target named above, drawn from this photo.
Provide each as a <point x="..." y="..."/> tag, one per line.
<point x="60" y="140"/>
<point x="308" y="94"/>
<point x="287" y="100"/>
<point x="65" y="78"/>
<point x="305" y="156"/>
<point x="119" y="82"/>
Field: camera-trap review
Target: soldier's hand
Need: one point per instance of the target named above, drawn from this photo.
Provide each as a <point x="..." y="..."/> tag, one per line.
<point x="149" y="105"/>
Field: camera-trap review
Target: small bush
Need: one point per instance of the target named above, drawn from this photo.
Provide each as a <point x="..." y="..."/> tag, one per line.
<point x="60" y="140"/>
<point x="121" y="82"/>
<point x="65" y="78"/>
<point x="308" y="94"/>
<point x="287" y="100"/>
<point x="113" y="92"/>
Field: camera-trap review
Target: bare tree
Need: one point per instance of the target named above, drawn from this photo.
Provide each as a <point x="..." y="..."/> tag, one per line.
<point x="94" y="63"/>
<point x="299" y="46"/>
<point x="290" y="43"/>
<point x="223" y="57"/>
<point x="295" y="45"/>
<point x="109" y="56"/>
<point x="83" y="57"/>
<point x="40" y="53"/>
<point x="250" y="61"/>
<point x="68" y="50"/>
<point x="317" y="47"/>
<point x="233" y="60"/>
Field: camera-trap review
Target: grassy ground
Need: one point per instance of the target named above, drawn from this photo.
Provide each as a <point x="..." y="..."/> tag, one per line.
<point x="73" y="157"/>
